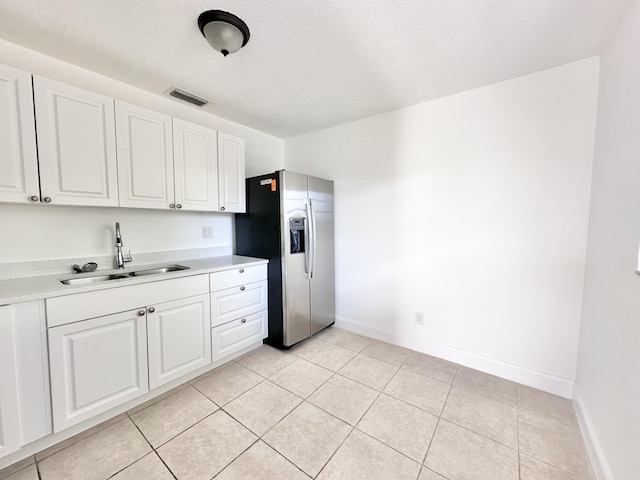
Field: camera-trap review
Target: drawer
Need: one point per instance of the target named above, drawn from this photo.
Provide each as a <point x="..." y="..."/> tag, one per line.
<point x="238" y="334"/>
<point x="71" y="308"/>
<point x="236" y="302"/>
<point x="237" y="276"/>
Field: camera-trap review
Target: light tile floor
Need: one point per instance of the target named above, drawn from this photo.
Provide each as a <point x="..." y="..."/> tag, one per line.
<point x="337" y="406"/>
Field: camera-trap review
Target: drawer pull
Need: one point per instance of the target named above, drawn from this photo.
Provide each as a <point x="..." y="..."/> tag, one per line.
<point x="242" y="288"/>
<point x="244" y="320"/>
<point x="242" y="270"/>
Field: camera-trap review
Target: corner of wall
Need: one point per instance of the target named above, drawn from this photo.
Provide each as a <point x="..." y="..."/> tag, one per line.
<point x="599" y="465"/>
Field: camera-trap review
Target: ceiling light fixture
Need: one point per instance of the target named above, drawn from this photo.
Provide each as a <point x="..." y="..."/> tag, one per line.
<point x="223" y="30"/>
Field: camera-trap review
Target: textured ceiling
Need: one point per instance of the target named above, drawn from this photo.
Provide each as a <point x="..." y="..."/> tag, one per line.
<point x="311" y="64"/>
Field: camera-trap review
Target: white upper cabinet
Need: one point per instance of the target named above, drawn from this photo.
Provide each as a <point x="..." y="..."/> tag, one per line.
<point x="18" y="160"/>
<point x="231" y="179"/>
<point x="145" y="157"/>
<point x="196" y="166"/>
<point x="94" y="151"/>
<point x="76" y="145"/>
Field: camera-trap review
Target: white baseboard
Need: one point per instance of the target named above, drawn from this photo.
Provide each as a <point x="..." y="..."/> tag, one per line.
<point x="516" y="373"/>
<point x="598" y="461"/>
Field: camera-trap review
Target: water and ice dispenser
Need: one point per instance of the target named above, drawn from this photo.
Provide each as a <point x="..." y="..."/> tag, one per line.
<point x="296" y="234"/>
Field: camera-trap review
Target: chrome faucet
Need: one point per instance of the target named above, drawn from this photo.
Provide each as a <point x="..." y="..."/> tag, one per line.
<point x="120" y="258"/>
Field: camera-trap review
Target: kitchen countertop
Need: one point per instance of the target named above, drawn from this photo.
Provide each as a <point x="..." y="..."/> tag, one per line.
<point x="46" y="286"/>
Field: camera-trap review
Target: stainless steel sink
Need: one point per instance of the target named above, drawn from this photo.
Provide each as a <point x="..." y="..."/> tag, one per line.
<point x="95" y="279"/>
<point x="119" y="276"/>
<point x="154" y="271"/>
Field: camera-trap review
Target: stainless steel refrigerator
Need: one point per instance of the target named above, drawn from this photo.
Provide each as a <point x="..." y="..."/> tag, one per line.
<point x="289" y="220"/>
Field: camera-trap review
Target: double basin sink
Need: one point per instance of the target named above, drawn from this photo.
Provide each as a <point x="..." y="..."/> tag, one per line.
<point x="119" y="276"/>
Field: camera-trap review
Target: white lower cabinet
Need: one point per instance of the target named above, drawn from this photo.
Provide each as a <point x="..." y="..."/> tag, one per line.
<point x="238" y="334"/>
<point x="178" y="338"/>
<point x="25" y="408"/>
<point x="9" y="408"/>
<point x="235" y="302"/>
<point x="96" y="365"/>
<point x="239" y="314"/>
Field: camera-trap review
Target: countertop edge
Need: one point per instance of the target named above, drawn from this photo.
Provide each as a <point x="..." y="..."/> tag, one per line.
<point x="43" y="287"/>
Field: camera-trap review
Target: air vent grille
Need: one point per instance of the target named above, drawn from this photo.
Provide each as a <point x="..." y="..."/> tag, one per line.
<point x="187" y="97"/>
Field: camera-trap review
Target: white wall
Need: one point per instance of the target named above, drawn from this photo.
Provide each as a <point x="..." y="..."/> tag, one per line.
<point x="43" y="233"/>
<point x="472" y="209"/>
<point x="608" y="383"/>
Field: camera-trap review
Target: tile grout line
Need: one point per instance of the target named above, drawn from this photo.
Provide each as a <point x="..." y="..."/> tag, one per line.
<point x="438" y="421"/>
<point x="319" y="386"/>
<point x="355" y="426"/>
<point x="261" y="438"/>
<point x="239" y="395"/>
<point x="153" y="449"/>
<point x="563" y="469"/>
<point x="19" y="470"/>
<point x="361" y="417"/>
<point x="79" y="440"/>
<point x="237" y="456"/>
<point x="159" y="400"/>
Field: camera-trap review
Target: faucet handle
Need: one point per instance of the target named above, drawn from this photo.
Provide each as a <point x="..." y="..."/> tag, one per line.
<point x="127" y="258"/>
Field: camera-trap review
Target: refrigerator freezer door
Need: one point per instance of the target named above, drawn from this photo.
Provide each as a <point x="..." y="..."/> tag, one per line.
<point x="322" y="288"/>
<point x="296" y="311"/>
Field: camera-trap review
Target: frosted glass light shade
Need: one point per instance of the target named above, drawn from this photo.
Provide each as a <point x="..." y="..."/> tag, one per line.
<point x="224" y="37"/>
<point x="223" y="30"/>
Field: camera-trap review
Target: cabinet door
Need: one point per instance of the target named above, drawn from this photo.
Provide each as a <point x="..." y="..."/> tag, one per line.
<point x="76" y="145"/>
<point x="18" y="160"/>
<point x="145" y="157"/>
<point x="179" y="340"/>
<point x="231" y="173"/>
<point x="238" y="301"/>
<point x="195" y="160"/>
<point x="9" y="409"/>
<point x="96" y="365"/>
<point x="238" y="334"/>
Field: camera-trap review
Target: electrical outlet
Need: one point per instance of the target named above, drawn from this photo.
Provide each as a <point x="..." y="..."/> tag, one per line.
<point x="207" y="232"/>
<point x="419" y="318"/>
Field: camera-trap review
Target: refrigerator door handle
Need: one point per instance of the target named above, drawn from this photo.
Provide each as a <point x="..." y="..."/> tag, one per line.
<point x="313" y="240"/>
<point x="307" y="240"/>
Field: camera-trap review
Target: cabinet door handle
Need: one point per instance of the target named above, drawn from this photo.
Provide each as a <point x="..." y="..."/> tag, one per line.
<point x="34" y="198"/>
<point x="242" y="270"/>
<point x="172" y="205"/>
<point x="242" y="288"/>
<point x="179" y="205"/>
<point x="222" y="209"/>
<point x="244" y="320"/>
<point x="141" y="313"/>
<point x="151" y="309"/>
<point x="47" y="199"/>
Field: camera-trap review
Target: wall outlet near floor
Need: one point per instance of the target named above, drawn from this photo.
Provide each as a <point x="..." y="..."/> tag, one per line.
<point x="207" y="232"/>
<point x="419" y="318"/>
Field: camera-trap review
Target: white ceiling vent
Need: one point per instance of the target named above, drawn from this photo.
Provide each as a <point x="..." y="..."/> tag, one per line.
<point x="187" y="97"/>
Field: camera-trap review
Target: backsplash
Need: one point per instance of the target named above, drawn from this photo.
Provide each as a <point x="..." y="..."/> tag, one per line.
<point x="34" y="233"/>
